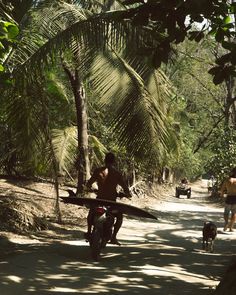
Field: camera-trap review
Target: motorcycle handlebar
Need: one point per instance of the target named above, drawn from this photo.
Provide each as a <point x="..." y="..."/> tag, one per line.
<point x="120" y="195"/>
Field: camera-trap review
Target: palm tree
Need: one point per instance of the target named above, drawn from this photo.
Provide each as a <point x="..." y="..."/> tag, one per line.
<point x="94" y="51"/>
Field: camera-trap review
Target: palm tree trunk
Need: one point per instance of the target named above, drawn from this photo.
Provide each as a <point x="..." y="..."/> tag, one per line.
<point x="54" y="161"/>
<point x="82" y="125"/>
<point x="56" y="184"/>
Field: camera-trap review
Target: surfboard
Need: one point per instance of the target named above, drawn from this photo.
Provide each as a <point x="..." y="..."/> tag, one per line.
<point x="124" y="208"/>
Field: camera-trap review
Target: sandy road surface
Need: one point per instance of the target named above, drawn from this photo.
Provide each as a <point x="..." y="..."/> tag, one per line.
<point x="156" y="257"/>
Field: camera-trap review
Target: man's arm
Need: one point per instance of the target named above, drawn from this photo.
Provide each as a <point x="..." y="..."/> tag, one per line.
<point x="124" y="186"/>
<point x="92" y="180"/>
<point x="232" y="180"/>
<point x="223" y="188"/>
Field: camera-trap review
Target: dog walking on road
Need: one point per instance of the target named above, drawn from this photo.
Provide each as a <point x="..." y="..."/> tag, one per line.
<point x="209" y="233"/>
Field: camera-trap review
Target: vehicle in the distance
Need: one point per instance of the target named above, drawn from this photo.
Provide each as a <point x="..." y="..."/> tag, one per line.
<point x="183" y="189"/>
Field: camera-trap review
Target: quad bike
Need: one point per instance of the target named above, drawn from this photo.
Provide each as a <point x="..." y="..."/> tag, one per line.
<point x="183" y="189"/>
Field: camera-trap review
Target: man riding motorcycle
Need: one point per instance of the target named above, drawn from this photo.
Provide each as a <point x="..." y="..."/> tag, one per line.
<point x="107" y="179"/>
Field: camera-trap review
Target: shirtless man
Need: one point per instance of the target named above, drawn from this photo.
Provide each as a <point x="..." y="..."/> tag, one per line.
<point x="229" y="187"/>
<point x="107" y="179"/>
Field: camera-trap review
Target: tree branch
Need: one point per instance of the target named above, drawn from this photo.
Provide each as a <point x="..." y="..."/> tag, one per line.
<point x="205" y="137"/>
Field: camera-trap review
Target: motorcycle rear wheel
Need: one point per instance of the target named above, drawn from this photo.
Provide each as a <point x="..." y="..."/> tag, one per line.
<point x="96" y="244"/>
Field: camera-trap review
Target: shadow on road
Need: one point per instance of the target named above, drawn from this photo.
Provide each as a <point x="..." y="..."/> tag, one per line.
<point x="162" y="257"/>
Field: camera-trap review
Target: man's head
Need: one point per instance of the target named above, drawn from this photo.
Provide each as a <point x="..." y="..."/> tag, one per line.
<point x="109" y="159"/>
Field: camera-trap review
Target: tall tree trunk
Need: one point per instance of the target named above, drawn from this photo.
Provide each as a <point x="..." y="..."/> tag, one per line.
<point x="230" y="119"/>
<point x="53" y="157"/>
<point x="82" y="122"/>
<point x="56" y="183"/>
<point x="82" y="127"/>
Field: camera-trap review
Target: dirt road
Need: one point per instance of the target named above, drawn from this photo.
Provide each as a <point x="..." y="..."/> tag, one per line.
<point x="156" y="257"/>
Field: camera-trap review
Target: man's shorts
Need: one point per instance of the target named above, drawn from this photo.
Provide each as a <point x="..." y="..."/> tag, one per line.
<point x="230" y="208"/>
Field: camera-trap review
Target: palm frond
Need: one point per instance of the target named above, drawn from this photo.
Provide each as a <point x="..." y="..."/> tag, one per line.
<point x="57" y="87"/>
<point x="64" y="143"/>
<point x="98" y="6"/>
<point x="98" y="150"/>
<point x="135" y="108"/>
<point x="23" y="112"/>
<point x="57" y="28"/>
<point x="65" y="146"/>
<point x="138" y="114"/>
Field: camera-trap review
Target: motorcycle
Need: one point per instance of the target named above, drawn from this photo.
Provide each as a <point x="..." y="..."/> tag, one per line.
<point x="102" y="228"/>
<point x="103" y="213"/>
<point x="103" y="219"/>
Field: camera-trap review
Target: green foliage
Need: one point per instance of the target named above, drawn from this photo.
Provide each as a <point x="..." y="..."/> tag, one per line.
<point x="8" y="33"/>
<point x="224" y="154"/>
<point x="186" y="163"/>
<point x="134" y="110"/>
<point x="173" y="21"/>
<point x="195" y="109"/>
<point x="131" y="95"/>
<point x="61" y="107"/>
<point x="27" y="119"/>
<point x="64" y="143"/>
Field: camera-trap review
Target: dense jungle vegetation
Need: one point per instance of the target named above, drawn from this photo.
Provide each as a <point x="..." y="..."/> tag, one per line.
<point x="152" y="81"/>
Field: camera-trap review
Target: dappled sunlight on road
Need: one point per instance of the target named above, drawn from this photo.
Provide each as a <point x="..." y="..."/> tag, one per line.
<point x="156" y="257"/>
